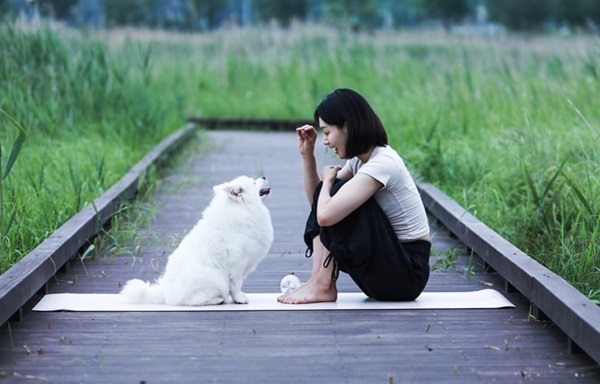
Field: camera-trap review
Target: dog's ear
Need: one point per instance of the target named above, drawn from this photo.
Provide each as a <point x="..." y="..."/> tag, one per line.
<point x="233" y="191"/>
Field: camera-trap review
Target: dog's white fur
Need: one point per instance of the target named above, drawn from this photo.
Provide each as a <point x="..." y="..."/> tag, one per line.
<point x="232" y="237"/>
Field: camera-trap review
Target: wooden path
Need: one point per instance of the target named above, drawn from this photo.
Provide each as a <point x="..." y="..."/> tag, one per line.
<point x="409" y="346"/>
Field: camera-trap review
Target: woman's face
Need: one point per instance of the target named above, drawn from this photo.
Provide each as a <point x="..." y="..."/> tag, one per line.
<point x="334" y="138"/>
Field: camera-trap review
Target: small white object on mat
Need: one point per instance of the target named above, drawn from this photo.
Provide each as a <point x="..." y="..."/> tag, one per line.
<point x="289" y="283"/>
<point x="94" y="302"/>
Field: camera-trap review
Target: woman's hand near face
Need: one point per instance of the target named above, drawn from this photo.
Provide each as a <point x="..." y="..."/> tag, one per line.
<point x="307" y="136"/>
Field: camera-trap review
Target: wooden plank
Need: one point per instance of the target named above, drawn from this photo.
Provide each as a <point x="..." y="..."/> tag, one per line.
<point x="570" y="310"/>
<point x="574" y="313"/>
<point x="26" y="277"/>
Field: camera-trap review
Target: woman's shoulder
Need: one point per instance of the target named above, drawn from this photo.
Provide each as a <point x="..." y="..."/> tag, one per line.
<point x="386" y="150"/>
<point x="386" y="154"/>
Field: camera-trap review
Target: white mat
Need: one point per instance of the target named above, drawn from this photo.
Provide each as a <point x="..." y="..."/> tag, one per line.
<point x="486" y="298"/>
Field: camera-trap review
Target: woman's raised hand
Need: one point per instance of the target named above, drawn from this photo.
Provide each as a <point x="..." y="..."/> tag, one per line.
<point x="307" y="136"/>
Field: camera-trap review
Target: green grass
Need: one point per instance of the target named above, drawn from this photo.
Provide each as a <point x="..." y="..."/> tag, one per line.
<point x="507" y="126"/>
<point x="89" y="116"/>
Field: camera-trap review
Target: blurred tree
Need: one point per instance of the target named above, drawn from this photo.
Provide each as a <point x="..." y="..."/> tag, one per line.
<point x="571" y="12"/>
<point x="358" y="14"/>
<point x="57" y="9"/>
<point x="591" y="8"/>
<point x="397" y="13"/>
<point x="206" y="12"/>
<point x="3" y="8"/>
<point x="128" y="12"/>
<point x="281" y="10"/>
<point x="520" y="14"/>
<point x="448" y="11"/>
<point x="578" y="13"/>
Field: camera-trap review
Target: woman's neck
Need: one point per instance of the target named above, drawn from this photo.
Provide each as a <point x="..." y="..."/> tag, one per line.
<point x="364" y="157"/>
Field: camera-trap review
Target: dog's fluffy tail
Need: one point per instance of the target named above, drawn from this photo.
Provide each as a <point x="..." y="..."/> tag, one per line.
<point x="138" y="291"/>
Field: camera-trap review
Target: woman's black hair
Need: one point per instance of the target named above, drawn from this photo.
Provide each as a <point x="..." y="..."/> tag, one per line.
<point x="345" y="107"/>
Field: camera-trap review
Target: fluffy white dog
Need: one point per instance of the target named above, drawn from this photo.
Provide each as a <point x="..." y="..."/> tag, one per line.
<point x="232" y="237"/>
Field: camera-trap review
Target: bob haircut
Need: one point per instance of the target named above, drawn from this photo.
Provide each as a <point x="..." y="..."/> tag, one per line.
<point x="345" y="107"/>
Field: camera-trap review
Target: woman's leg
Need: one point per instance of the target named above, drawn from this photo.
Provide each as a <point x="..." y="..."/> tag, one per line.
<point x="365" y="246"/>
<point x="321" y="286"/>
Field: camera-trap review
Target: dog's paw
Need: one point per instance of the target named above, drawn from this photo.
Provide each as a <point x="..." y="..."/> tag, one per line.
<point x="240" y="298"/>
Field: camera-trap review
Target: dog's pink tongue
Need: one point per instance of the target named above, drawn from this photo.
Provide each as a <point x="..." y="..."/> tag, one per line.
<point x="265" y="191"/>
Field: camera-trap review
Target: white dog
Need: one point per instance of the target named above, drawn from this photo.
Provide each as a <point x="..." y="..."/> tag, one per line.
<point x="232" y="237"/>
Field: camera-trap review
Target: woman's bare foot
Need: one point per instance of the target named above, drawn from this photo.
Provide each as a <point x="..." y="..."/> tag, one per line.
<point x="282" y="297"/>
<point x="320" y="287"/>
<point x="311" y="292"/>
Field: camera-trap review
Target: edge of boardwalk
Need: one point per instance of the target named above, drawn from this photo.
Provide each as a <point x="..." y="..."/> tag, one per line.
<point x="30" y="275"/>
<point x="550" y="295"/>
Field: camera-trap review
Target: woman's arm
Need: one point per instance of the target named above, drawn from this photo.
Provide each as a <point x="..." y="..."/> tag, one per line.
<point x="333" y="209"/>
<point x="344" y="174"/>
<point x="307" y="136"/>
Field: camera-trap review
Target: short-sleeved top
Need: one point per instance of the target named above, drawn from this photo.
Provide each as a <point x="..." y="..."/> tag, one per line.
<point x="399" y="197"/>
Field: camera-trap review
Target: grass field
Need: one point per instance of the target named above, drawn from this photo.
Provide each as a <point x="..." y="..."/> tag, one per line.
<point x="508" y="126"/>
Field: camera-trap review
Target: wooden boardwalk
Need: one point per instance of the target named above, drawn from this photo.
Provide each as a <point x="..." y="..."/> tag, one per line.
<point x="409" y="346"/>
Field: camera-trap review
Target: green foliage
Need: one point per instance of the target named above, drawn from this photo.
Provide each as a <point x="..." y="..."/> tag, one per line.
<point x="12" y="158"/>
<point x="577" y="13"/>
<point x="283" y="10"/>
<point x="16" y="147"/>
<point x="571" y="12"/>
<point x="207" y="10"/>
<point x="128" y="12"/>
<point x="3" y="8"/>
<point x="60" y="9"/>
<point x="89" y="118"/>
<point x="449" y="11"/>
<point x="349" y="13"/>
<point x="520" y="14"/>
<point x="508" y="127"/>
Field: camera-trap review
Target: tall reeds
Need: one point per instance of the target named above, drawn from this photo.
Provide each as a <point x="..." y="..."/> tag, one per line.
<point x="6" y="220"/>
<point x="90" y="114"/>
<point x="508" y="126"/>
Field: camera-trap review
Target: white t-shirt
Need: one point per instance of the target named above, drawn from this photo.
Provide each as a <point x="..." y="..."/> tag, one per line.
<point x="399" y="197"/>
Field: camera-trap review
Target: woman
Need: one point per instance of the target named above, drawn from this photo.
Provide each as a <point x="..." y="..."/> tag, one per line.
<point x="367" y="218"/>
